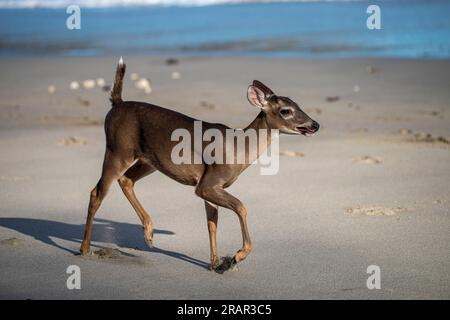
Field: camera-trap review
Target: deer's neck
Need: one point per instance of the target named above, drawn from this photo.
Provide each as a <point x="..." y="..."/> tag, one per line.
<point x="259" y="124"/>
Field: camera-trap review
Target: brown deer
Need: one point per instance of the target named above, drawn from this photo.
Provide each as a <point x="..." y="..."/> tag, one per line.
<point x="138" y="142"/>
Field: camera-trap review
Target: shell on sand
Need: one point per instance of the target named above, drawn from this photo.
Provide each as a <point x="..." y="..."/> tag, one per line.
<point x="134" y="76"/>
<point x="176" y="75"/>
<point x="144" y="84"/>
<point x="89" y="84"/>
<point x="100" y="82"/>
<point x="148" y="90"/>
<point x="51" y="89"/>
<point x="290" y="153"/>
<point x="74" y="85"/>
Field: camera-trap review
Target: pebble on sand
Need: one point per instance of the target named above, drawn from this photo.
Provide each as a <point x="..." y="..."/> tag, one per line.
<point x="332" y="99"/>
<point x="172" y="61"/>
<point x="89" y="84"/>
<point x="51" y="89"/>
<point x="74" y="85"/>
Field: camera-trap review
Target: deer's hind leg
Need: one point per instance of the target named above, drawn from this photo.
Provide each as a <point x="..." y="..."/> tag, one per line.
<point x="114" y="165"/>
<point x="138" y="171"/>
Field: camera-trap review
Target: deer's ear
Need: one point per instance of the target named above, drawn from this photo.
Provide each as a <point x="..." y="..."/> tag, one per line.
<point x="261" y="86"/>
<point x="256" y="97"/>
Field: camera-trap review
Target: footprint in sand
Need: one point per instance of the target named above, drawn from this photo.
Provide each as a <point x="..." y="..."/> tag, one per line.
<point x="290" y="153"/>
<point x="72" y="141"/>
<point x="114" y="255"/>
<point x="107" y="253"/>
<point x="207" y="105"/>
<point x="367" y="160"/>
<point x="423" y="137"/>
<point x="374" y="211"/>
<point x="12" y="242"/>
<point x="433" y="113"/>
<point x="442" y="201"/>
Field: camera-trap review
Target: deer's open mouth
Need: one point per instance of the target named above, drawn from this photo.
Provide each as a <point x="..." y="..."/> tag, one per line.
<point x="306" y="131"/>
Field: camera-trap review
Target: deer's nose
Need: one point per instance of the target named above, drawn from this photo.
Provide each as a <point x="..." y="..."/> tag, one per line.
<point x="315" y="126"/>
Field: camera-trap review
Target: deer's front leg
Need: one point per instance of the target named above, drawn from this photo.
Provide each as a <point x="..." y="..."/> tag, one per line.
<point x="217" y="195"/>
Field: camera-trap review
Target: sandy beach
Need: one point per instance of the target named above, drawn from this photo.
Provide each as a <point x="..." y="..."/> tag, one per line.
<point x="371" y="188"/>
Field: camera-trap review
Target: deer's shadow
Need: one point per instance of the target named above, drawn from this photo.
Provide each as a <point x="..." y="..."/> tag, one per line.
<point x="123" y="234"/>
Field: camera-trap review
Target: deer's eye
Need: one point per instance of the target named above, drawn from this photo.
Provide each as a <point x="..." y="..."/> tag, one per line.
<point x="285" y="112"/>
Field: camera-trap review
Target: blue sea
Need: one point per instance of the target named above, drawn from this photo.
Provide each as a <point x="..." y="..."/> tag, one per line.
<point x="286" y="29"/>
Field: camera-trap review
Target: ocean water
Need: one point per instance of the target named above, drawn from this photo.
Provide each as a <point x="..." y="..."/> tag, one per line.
<point x="311" y="29"/>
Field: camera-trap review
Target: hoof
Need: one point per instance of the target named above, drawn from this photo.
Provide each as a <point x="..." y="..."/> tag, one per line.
<point x="214" y="265"/>
<point x="148" y="237"/>
<point x="228" y="263"/>
<point x="149" y="242"/>
<point x="85" y="252"/>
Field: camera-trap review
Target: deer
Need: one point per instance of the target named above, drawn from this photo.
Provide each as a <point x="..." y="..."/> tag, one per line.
<point x="138" y="143"/>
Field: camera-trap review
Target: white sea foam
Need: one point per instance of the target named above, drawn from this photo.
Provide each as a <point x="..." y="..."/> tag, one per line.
<point x="113" y="3"/>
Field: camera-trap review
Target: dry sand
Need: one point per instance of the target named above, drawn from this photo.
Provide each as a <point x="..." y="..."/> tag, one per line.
<point x="330" y="212"/>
